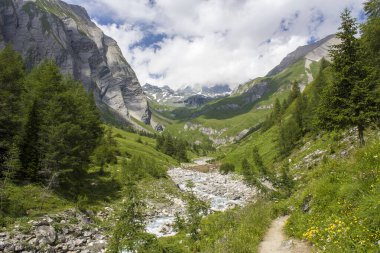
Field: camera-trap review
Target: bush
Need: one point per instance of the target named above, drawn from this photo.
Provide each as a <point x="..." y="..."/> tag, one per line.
<point x="226" y="168"/>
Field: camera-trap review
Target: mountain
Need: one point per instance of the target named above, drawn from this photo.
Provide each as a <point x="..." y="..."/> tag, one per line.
<point x="218" y="90"/>
<point x="188" y="96"/>
<point x="64" y="33"/>
<point x="310" y="54"/>
<point x="231" y="118"/>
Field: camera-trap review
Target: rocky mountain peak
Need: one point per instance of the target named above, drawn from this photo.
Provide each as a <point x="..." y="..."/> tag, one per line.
<point x="53" y="29"/>
<point x="315" y="51"/>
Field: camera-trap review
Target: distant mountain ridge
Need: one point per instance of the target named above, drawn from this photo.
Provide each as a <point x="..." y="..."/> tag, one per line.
<point x="53" y="29"/>
<point x="187" y="96"/>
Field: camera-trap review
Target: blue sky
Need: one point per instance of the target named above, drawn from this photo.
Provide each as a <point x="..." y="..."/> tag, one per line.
<point x="207" y="42"/>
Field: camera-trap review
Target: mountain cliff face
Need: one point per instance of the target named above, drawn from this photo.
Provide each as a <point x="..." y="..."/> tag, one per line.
<point x="52" y="29"/>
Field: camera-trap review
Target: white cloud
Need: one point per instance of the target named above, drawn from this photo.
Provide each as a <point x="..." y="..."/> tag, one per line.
<point x="214" y="41"/>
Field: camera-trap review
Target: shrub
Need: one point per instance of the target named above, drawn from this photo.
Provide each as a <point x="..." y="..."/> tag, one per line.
<point x="226" y="168"/>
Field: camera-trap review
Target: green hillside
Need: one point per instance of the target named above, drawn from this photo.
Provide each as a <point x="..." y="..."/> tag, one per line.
<point x="243" y="115"/>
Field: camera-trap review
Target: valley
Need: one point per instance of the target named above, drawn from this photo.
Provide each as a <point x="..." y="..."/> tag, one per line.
<point x="92" y="161"/>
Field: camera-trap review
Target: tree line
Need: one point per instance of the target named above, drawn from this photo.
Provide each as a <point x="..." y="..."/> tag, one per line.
<point x="345" y="93"/>
<point x="49" y="125"/>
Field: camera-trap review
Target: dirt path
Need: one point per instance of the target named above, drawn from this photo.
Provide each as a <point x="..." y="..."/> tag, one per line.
<point x="275" y="241"/>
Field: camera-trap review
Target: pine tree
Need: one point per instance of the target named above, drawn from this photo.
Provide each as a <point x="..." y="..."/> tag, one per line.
<point x="249" y="173"/>
<point x="295" y="92"/>
<point x="289" y="134"/>
<point x="129" y="233"/>
<point x="371" y="47"/>
<point x="258" y="161"/>
<point x="11" y="107"/>
<point x="63" y="126"/>
<point x="299" y="111"/>
<point x="277" y="111"/>
<point x="105" y="152"/>
<point x="349" y="100"/>
<point x="30" y="154"/>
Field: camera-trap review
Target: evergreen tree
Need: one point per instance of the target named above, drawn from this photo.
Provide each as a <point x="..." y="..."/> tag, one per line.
<point x="286" y="181"/>
<point x="258" y="161"/>
<point x="129" y="232"/>
<point x="349" y="100"/>
<point x="249" y="174"/>
<point x="295" y="92"/>
<point x="277" y="111"/>
<point x="289" y="134"/>
<point x="63" y="126"/>
<point x="11" y="107"/>
<point x="105" y="152"/>
<point x="299" y="111"/>
<point x="30" y="153"/>
<point x="371" y="47"/>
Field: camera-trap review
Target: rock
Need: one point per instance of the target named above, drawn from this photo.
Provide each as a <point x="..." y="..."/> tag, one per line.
<point x="242" y="134"/>
<point x="3" y="245"/>
<point x="52" y="29"/>
<point x="46" y="234"/>
<point x="43" y="222"/>
<point x="18" y="247"/>
<point x="9" y="249"/>
<point x="286" y="245"/>
<point x="306" y="204"/>
<point x="87" y="234"/>
<point x="79" y="242"/>
<point x="313" y="52"/>
<point x="75" y="235"/>
<point x="159" y="128"/>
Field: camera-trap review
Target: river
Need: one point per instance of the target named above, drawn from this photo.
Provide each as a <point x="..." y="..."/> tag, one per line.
<point x="222" y="192"/>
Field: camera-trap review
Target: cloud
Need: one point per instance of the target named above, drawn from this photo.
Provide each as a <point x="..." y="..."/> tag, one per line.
<point x="207" y="42"/>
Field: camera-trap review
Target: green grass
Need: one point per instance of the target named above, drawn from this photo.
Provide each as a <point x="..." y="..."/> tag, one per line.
<point x="97" y="190"/>
<point x="239" y="230"/>
<point x="215" y="116"/>
<point x="266" y="143"/>
<point x="129" y="144"/>
<point x="344" y="201"/>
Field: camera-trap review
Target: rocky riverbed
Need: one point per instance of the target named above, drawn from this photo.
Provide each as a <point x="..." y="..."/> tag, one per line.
<point x="75" y="231"/>
<point x="222" y="192"/>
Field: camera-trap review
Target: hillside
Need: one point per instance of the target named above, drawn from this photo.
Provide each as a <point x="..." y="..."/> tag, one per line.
<point x="227" y="120"/>
<point x="288" y="162"/>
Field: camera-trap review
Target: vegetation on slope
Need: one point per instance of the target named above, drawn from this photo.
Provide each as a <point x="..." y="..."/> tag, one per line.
<point x="339" y="209"/>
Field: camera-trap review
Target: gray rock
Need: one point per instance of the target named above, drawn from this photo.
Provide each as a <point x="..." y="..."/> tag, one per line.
<point x="159" y="128"/>
<point x="52" y="29"/>
<point x="19" y="247"/>
<point x="3" y="245"/>
<point x="46" y="234"/>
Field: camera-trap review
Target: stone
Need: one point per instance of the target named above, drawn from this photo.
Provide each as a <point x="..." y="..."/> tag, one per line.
<point x="79" y="48"/>
<point x="79" y="242"/>
<point x="19" y="247"/>
<point x="286" y="245"/>
<point x="87" y="233"/>
<point x="159" y="128"/>
<point x="3" y="245"/>
<point x="46" y="234"/>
